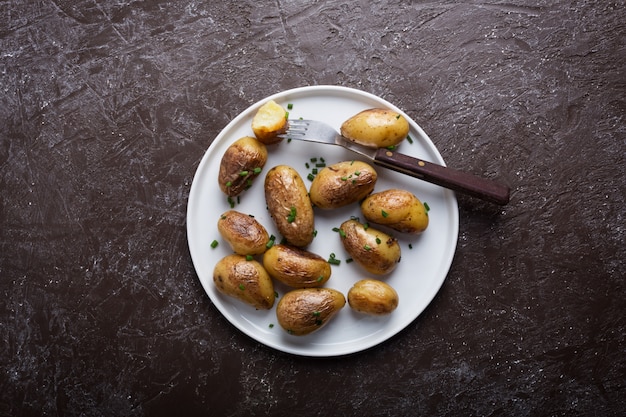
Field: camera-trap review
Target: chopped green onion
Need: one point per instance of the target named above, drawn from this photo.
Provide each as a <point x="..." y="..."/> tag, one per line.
<point x="316" y="313"/>
<point x="229" y="183"/>
<point x="214" y="244"/>
<point x="243" y="173"/>
<point x="391" y="147"/>
<point x="257" y="170"/>
<point x="426" y="207"/>
<point x="397" y="117"/>
<point x="287" y="115"/>
<point x="310" y="177"/>
<point x="349" y="260"/>
<point x="292" y="215"/>
<point x="378" y="240"/>
<point x="320" y="278"/>
<point x="384" y="213"/>
<point x="410" y="246"/>
<point x="290" y="106"/>
<point x="242" y="287"/>
<point x="249" y="257"/>
<point x="367" y="247"/>
<point x="271" y="325"/>
<point x="409" y="139"/>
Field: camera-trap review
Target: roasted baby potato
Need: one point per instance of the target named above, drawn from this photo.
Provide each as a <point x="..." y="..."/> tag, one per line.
<point x="246" y="280"/>
<point x="397" y="209"/>
<point x="372" y="296"/>
<point x="341" y="184"/>
<point x="295" y="267"/>
<point x="269" y="122"/>
<point x="244" y="234"/>
<point x="376" y="128"/>
<point x="306" y="310"/>
<point x="240" y="165"/>
<point x="377" y="252"/>
<point x="289" y="205"/>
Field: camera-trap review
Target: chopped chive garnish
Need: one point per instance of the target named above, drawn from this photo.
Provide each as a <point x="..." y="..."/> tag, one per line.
<point x="314" y="160"/>
<point x="287" y="115"/>
<point x="314" y="171"/>
<point x="292" y="215"/>
<point x="320" y="278"/>
<point x="214" y="244"/>
<point x="367" y="247"/>
<point x="344" y="178"/>
<point x="242" y="287"/>
<point x="397" y="117"/>
<point x="243" y="173"/>
<point x="384" y="213"/>
<point x="231" y="202"/>
<point x="378" y="241"/>
<point x="410" y="246"/>
<point x="391" y="147"/>
<point x="426" y="207"/>
<point x="409" y="139"/>
<point x="349" y="260"/>
<point x="249" y="257"/>
<point x="271" y="325"/>
<point x="310" y="177"/>
<point x="357" y="173"/>
<point x="306" y="164"/>
<point x="257" y="170"/>
<point x="316" y="313"/>
<point x="290" y="106"/>
<point x="229" y="183"/>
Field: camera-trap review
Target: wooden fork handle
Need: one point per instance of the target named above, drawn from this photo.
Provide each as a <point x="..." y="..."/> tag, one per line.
<point x="452" y="179"/>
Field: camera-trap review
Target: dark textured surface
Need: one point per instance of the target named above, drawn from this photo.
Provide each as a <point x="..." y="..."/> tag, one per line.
<point x="106" y="108"/>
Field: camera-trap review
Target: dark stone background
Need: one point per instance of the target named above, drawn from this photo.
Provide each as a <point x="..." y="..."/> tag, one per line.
<point x="107" y="107"/>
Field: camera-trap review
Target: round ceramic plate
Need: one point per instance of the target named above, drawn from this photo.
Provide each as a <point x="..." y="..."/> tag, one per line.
<point x="425" y="260"/>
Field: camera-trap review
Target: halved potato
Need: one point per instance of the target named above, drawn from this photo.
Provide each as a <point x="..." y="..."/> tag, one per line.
<point x="269" y="122"/>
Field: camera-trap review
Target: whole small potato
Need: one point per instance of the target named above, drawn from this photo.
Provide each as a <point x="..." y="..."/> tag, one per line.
<point x="341" y="184"/>
<point x="269" y="121"/>
<point x="306" y="310"/>
<point x="289" y="205"/>
<point x="244" y="234"/>
<point x="372" y="296"/>
<point x="296" y="267"/>
<point x="240" y="165"/>
<point x="376" y="128"/>
<point x="397" y="209"/>
<point x="377" y="252"/>
<point x="245" y="280"/>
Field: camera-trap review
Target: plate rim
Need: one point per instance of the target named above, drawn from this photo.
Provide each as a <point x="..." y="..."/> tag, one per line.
<point x="316" y="90"/>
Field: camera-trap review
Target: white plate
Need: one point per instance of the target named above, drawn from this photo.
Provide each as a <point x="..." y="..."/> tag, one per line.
<point x="417" y="278"/>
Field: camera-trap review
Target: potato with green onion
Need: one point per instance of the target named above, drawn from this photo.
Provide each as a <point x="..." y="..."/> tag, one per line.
<point x="376" y="128"/>
<point x="303" y="311"/>
<point x="242" y="162"/>
<point x="296" y="267"/>
<point x="371" y="296"/>
<point x="397" y="209"/>
<point x="243" y="278"/>
<point x="289" y="205"/>
<point x="341" y="184"/>
<point x="377" y="252"/>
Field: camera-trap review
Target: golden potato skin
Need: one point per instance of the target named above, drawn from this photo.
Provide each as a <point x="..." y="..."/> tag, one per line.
<point x="245" y="280"/>
<point x="377" y="252"/>
<point x="397" y="209"/>
<point x="306" y="310"/>
<point x="296" y="267"/>
<point x="289" y="205"/>
<point x="376" y="128"/>
<point x="244" y="234"/>
<point x="269" y="122"/>
<point x="342" y="183"/>
<point x="371" y="296"/>
<point x="245" y="156"/>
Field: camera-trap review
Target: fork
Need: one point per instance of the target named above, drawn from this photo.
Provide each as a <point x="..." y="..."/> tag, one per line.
<point x="463" y="182"/>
